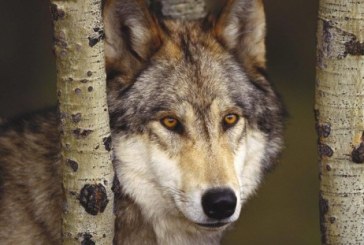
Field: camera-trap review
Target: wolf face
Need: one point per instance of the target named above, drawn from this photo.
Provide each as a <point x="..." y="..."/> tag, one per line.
<point x="194" y="121"/>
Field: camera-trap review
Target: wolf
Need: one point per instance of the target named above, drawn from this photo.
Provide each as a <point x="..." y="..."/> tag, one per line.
<point x="195" y="125"/>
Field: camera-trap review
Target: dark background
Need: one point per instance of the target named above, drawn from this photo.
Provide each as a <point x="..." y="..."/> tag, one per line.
<point x="285" y="209"/>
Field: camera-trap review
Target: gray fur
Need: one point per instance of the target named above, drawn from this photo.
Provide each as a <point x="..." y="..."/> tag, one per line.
<point x="149" y="80"/>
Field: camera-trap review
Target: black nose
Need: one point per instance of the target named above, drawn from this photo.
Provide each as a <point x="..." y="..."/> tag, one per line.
<point x="219" y="203"/>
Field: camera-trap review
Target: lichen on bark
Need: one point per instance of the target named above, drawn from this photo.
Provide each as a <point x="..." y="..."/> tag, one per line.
<point x="340" y="120"/>
<point x="84" y="122"/>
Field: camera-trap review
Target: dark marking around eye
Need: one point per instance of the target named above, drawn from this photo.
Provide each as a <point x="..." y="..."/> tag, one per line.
<point x="172" y="124"/>
<point x="230" y="121"/>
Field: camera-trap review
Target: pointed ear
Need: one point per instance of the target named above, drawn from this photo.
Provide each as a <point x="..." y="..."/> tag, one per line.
<point x="240" y="27"/>
<point x="132" y="35"/>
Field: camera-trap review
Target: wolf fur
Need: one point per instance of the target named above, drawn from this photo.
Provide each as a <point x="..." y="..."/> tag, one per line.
<point x="196" y="72"/>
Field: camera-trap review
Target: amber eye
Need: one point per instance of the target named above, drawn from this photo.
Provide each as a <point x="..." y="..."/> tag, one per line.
<point x="230" y="120"/>
<point x="170" y="123"/>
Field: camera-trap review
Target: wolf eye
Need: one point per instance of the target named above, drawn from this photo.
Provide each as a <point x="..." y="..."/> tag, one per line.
<point x="171" y="123"/>
<point x="230" y="120"/>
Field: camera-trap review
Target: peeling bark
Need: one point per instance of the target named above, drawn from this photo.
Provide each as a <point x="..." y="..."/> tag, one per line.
<point x="81" y="82"/>
<point x="340" y="120"/>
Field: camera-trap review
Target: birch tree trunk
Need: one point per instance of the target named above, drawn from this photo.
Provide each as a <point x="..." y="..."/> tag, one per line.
<point x="181" y="9"/>
<point x="85" y="134"/>
<point x="340" y="120"/>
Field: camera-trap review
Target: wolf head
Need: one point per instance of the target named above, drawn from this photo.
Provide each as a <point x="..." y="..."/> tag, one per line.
<point x="195" y="122"/>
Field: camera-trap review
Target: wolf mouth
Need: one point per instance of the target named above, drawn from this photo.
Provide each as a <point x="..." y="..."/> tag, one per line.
<point x="213" y="225"/>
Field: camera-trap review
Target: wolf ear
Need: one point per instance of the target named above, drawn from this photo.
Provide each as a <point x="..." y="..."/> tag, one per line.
<point x="132" y="35"/>
<point x="240" y="27"/>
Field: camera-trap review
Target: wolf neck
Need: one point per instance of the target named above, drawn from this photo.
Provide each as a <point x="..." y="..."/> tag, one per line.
<point x="132" y="227"/>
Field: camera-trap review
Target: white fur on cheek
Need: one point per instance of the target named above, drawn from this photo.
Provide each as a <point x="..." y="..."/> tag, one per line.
<point x="252" y="169"/>
<point x="144" y="172"/>
<point x="166" y="170"/>
<point x="239" y="160"/>
<point x="170" y="180"/>
<point x="191" y="207"/>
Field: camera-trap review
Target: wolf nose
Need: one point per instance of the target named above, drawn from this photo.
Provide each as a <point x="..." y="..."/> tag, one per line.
<point x="219" y="203"/>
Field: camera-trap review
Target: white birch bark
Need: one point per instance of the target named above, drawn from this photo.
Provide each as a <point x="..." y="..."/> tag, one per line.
<point x="85" y="134"/>
<point x="182" y="9"/>
<point x="340" y="120"/>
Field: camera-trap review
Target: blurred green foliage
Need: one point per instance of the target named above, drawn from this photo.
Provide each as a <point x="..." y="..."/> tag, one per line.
<point x="285" y="209"/>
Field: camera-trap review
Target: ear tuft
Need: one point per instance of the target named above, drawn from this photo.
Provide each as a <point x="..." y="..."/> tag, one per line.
<point x="240" y="27"/>
<point x="132" y="34"/>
